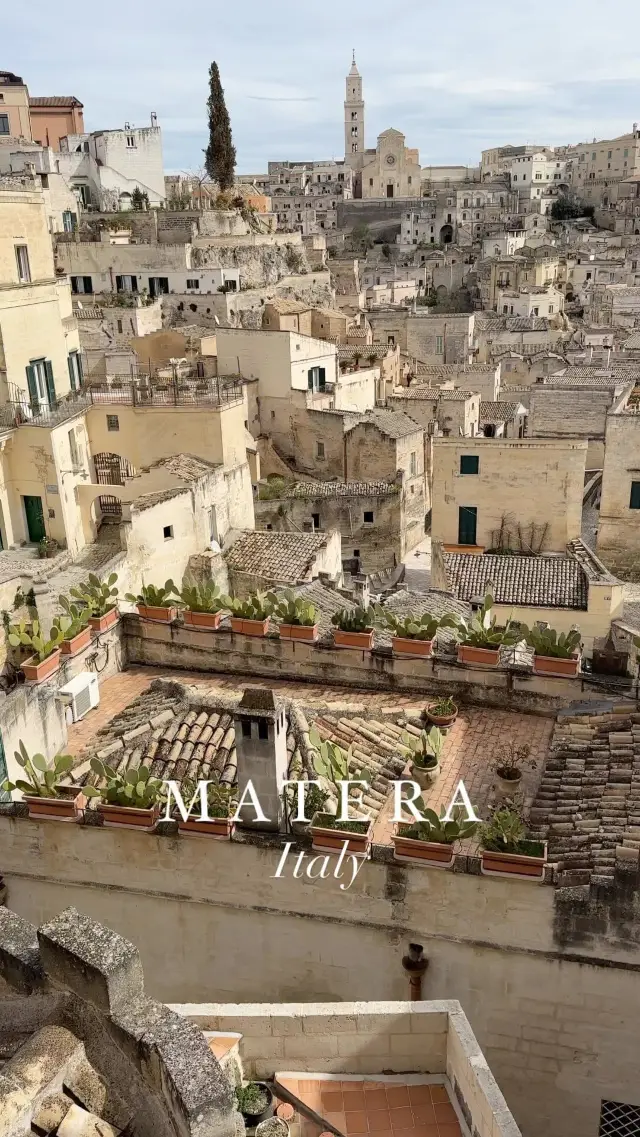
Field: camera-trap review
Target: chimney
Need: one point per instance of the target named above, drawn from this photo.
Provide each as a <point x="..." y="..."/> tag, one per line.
<point x="361" y="592"/>
<point x="260" y="725"/>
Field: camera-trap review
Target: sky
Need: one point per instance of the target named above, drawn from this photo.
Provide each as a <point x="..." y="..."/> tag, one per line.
<point x="455" y="79"/>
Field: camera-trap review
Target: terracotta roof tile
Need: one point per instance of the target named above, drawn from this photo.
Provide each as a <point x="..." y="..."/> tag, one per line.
<point x="285" y="557"/>
<point x="538" y="582"/>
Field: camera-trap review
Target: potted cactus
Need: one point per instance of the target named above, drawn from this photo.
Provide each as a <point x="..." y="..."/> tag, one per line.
<point x="298" y="618"/>
<point x="74" y="625"/>
<point x="221" y="803"/>
<point x="354" y="627"/>
<point x="45" y="660"/>
<point x="554" y="653"/>
<point x="431" y="841"/>
<point x="443" y="713"/>
<point x="414" y="635"/>
<point x="482" y="638"/>
<point x="131" y="799"/>
<point x="507" y="849"/>
<point x="424" y="751"/>
<point x="102" y="598"/>
<point x="202" y="604"/>
<point x="250" y="617"/>
<point x="255" y="1103"/>
<point x="154" y="603"/>
<point x="328" y="833"/>
<point x="41" y="791"/>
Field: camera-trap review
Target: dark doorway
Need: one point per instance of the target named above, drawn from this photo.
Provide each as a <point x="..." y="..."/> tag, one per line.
<point x="489" y="430"/>
<point x="389" y="191"/>
<point x="467" y="524"/>
<point x="446" y="235"/>
<point x="35" y="518"/>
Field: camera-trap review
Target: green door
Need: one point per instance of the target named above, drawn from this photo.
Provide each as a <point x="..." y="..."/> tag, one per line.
<point x="467" y="524"/>
<point x="35" y="517"/>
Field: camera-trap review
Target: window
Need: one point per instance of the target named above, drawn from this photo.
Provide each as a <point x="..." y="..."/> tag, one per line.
<point x="368" y="517"/>
<point x="74" y="362"/>
<point x="246" y="728"/>
<point x="634" y="498"/>
<point x="4" y="123"/>
<point x="81" y="284"/>
<point x="69" y="220"/>
<point x="370" y="181"/>
<point x="193" y="283"/>
<point x="113" y="422"/>
<point x="263" y="729"/>
<point x="22" y="260"/>
<point x="618" y="1119"/>
<point x="316" y="378"/>
<point x="319" y="449"/>
<point x="438" y="345"/>
<point x="126" y="284"/>
<point x="73" y="447"/>
<point x="413" y="464"/>
<point x="467" y="524"/>
<point x="167" y="532"/>
<point x="469" y="464"/>
<point x="315" y="518"/>
<point x="40" y="383"/>
<point x="609" y="153"/>
<point x="130" y="141"/>
<point x="551" y="309"/>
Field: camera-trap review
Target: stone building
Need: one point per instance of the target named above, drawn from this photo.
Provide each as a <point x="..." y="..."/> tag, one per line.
<point x="54" y="118"/>
<point x="259" y="561"/>
<point x="106" y="166"/>
<point x="456" y="412"/>
<point x="618" y="540"/>
<point x="593" y="168"/>
<point x="575" y="404"/>
<point x="392" y="170"/>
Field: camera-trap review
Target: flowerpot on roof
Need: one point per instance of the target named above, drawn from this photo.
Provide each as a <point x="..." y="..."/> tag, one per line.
<point x="218" y="827"/>
<point x="129" y="817"/>
<point x="305" y="633"/>
<point x="478" y="656"/>
<point x="431" y="853"/>
<point x="556" y="666"/>
<point x="103" y="623"/>
<point x="250" y="627"/>
<point x="77" y="643"/>
<point x="210" y="620"/>
<point x="401" y="645"/>
<point x="440" y="720"/>
<point x="329" y="835"/>
<point x="425" y="776"/>
<point x="361" y="640"/>
<point x="531" y="867"/>
<point x="69" y="807"/>
<point x="37" y="672"/>
<point x="162" y="615"/>
<point x="254" y="1119"/>
<point x="508" y="786"/>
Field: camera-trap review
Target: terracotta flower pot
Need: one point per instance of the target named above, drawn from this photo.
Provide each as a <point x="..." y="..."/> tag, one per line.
<point x="299" y="632"/>
<point x="103" y="623"/>
<point x="162" y="615"/>
<point x="250" y="627"/>
<point x="76" y="643"/>
<point x="361" y="640"/>
<point x="328" y="840"/>
<point x="485" y="656"/>
<point x="552" y="665"/>
<point x="129" y="817"/>
<point x="402" y="645"/>
<point x="513" y="864"/>
<point x="508" y="786"/>
<point x="37" y="672"/>
<point x="424" y="777"/>
<point x="218" y="827"/>
<point x="424" y="852"/>
<point x="441" y="720"/>
<point x="56" y="808"/>
<point x="209" y="620"/>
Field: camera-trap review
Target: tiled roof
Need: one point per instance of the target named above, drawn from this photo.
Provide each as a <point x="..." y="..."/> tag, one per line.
<point x="341" y="489"/>
<point x="288" y="307"/>
<point x="633" y="343"/>
<point x="514" y="323"/>
<point x="157" y="497"/>
<point x="455" y="396"/>
<point x="285" y="557"/>
<point x="588" y="802"/>
<point x="347" y="351"/>
<point x="451" y="370"/>
<point x="395" y="424"/>
<point x="54" y="101"/>
<point x="603" y="380"/>
<point x="498" y="412"/>
<point x="186" y="466"/>
<point x="88" y="313"/>
<point x="538" y="582"/>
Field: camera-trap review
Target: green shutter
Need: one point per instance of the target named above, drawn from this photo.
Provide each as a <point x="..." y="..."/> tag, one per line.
<point x="634" y="500"/>
<point x="467" y="524"/>
<point x="72" y="374"/>
<point x="469" y="463"/>
<point x="79" y="365"/>
<point x="310" y="378"/>
<point x="322" y="379"/>
<point x="31" y="384"/>
<point x="51" y="387"/>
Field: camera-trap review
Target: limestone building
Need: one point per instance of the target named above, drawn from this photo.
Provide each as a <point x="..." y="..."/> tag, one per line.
<point x="391" y="170"/>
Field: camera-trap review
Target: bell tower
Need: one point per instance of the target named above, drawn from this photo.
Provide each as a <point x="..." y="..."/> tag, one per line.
<point x="354" y="119"/>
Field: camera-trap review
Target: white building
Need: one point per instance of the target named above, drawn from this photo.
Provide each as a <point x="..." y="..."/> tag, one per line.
<point x="531" y="174"/>
<point x="40" y="165"/>
<point x="105" y="167"/>
<point x="530" y="300"/>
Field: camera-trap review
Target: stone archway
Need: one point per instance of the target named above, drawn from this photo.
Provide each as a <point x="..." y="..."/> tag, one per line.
<point x="446" y="234"/>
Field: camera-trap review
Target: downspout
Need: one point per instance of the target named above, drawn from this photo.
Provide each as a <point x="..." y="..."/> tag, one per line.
<point x="415" y="965"/>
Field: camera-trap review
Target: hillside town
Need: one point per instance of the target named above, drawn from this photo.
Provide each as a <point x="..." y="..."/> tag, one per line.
<point x="317" y="482"/>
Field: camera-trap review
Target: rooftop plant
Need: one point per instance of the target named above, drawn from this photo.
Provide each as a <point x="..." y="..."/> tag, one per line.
<point x="74" y="620"/>
<point x="425" y="749"/>
<point x="443" y="708"/>
<point x="335" y="764"/>
<point x="203" y="597"/>
<point x="509" y="761"/>
<point x="292" y="609"/>
<point x="355" y="620"/>
<point x="505" y="832"/>
<point x="41" y="776"/>
<point x="100" y="596"/>
<point x="435" y="828"/>
<point x="154" y="597"/>
<point x="482" y="630"/>
<point x="251" y="1099"/>
<point x="134" y="787"/>
<point x="221" y="798"/>
<point x="547" y="641"/>
<point x="422" y="627"/>
<point x="258" y="606"/>
<point x="34" y="638"/>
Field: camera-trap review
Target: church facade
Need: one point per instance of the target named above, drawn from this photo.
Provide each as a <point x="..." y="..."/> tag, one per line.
<point x="392" y="169"/>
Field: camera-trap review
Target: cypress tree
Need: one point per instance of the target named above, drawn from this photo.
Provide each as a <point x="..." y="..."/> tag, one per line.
<point x="220" y="155"/>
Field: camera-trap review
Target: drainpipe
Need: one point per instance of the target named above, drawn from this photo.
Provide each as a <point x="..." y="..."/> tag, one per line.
<point x="414" y="965"/>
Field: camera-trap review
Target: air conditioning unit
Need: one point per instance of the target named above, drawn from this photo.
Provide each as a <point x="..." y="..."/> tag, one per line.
<point x="81" y="694"/>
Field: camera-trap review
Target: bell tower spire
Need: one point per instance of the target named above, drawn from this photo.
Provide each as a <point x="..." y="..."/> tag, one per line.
<point x="354" y="118"/>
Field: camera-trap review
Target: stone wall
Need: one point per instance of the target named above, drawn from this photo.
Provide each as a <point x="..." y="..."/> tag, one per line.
<point x="619" y="525"/>
<point x="571" y="413"/>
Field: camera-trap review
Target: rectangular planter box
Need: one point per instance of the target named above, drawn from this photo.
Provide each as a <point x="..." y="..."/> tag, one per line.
<point x="299" y="632"/>
<point x="423" y="852"/>
<point x="38" y="672"/>
<point x="163" y="615"/>
<point x="127" y="817"/>
<point x="250" y="627"/>
<point x="513" y="864"/>
<point x="551" y="665"/>
<point x="219" y="827"/>
<point x="487" y="657"/>
<point x="56" y="808"/>
<point x="76" y="643"/>
<point x="327" y="840"/>
<point x="202" y="619"/>
<point x="361" y="640"/>
<point x="103" y="623"/>
<point x="406" y="646"/>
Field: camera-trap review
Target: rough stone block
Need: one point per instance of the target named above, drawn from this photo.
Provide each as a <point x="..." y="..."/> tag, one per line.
<point x="20" y="963"/>
<point x="50" y="1113"/>
<point x="91" y="960"/>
